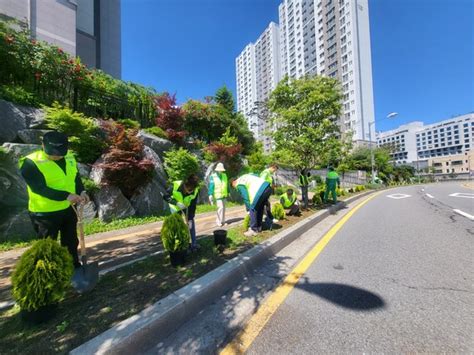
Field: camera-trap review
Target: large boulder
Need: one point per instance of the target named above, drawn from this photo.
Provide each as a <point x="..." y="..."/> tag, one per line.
<point x="16" y="225"/>
<point x="19" y="150"/>
<point x="14" y="118"/>
<point x="12" y="186"/>
<point x="148" y="200"/>
<point x="112" y="204"/>
<point x="90" y="211"/>
<point x="32" y="136"/>
<point x="97" y="172"/>
<point x="160" y="173"/>
<point x="159" y="145"/>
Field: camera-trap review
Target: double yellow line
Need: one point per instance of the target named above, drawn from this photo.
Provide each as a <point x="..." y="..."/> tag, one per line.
<point x="245" y="338"/>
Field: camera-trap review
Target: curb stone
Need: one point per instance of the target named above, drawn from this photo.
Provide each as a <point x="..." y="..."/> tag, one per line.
<point x="139" y="332"/>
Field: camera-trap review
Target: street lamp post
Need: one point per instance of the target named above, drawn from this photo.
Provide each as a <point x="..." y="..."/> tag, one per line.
<point x="372" y="158"/>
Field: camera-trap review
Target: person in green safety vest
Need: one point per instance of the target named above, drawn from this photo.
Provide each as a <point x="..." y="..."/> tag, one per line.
<point x="332" y="182"/>
<point x="304" y="183"/>
<point x="182" y="198"/>
<point x="54" y="184"/>
<point x="218" y="191"/>
<point x="267" y="175"/>
<point x="290" y="203"/>
<point x="255" y="192"/>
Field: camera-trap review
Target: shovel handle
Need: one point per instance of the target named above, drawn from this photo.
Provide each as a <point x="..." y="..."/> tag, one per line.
<point x="80" y="225"/>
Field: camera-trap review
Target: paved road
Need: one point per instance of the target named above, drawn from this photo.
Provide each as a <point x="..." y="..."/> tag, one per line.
<point x="456" y="196"/>
<point x="397" y="277"/>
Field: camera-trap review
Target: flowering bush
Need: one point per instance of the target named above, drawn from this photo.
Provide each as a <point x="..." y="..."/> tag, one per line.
<point x="51" y="75"/>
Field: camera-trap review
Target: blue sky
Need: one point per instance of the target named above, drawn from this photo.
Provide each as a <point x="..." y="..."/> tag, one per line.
<point x="422" y="50"/>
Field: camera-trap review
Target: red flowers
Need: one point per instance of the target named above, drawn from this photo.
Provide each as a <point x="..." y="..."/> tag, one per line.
<point x="38" y="76"/>
<point x="60" y="51"/>
<point x="34" y="42"/>
<point x="9" y="39"/>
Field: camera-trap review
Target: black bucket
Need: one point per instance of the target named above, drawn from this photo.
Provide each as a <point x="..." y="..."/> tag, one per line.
<point x="220" y="237"/>
<point x="178" y="258"/>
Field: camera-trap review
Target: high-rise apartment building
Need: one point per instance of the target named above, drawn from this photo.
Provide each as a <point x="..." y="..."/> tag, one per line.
<point x="89" y="29"/>
<point x="332" y="38"/>
<point x="258" y="73"/>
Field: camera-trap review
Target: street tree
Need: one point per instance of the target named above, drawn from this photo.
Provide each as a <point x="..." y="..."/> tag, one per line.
<point x="304" y="112"/>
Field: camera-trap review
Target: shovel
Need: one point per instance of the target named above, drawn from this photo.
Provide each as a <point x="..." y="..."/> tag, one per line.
<point x="86" y="276"/>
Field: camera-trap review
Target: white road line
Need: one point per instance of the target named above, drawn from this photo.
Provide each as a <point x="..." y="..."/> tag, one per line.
<point x="430" y="196"/>
<point x="462" y="213"/>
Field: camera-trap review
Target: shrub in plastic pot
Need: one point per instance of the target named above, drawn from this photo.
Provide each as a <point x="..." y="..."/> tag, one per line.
<point x="175" y="238"/>
<point x="41" y="279"/>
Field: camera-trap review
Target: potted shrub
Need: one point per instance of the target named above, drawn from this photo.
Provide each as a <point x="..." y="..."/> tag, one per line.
<point x="278" y="211"/>
<point x="175" y="238"/>
<point x="41" y="279"/>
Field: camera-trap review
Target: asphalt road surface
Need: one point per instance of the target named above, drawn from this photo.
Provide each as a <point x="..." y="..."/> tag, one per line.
<point x="396" y="277"/>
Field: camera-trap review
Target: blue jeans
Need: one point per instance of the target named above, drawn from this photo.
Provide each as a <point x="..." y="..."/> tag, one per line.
<point x="192" y="231"/>
<point x="256" y="213"/>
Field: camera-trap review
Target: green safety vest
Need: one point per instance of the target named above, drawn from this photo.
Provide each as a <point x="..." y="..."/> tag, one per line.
<point x="267" y="176"/>
<point x="55" y="179"/>
<point x="303" y="180"/>
<point x="287" y="203"/>
<point x="252" y="183"/>
<point x="332" y="178"/>
<point x="220" y="185"/>
<point x="178" y="196"/>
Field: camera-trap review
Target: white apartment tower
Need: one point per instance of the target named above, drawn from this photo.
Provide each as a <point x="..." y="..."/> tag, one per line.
<point x="332" y="38"/>
<point x="258" y="73"/>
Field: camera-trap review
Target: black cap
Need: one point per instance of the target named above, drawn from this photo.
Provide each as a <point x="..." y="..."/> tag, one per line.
<point x="55" y="143"/>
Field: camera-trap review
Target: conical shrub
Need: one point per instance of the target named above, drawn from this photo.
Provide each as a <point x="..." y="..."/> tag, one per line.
<point x="43" y="275"/>
<point x="175" y="233"/>
<point x="278" y="211"/>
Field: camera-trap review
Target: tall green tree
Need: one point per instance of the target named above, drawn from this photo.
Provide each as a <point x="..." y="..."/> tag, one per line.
<point x="305" y="111"/>
<point x="360" y="160"/>
<point x="225" y="98"/>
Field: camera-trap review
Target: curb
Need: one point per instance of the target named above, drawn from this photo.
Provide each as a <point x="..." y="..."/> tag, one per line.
<point x="139" y="332"/>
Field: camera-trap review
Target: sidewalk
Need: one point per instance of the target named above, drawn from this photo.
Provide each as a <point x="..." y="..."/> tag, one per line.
<point x="114" y="248"/>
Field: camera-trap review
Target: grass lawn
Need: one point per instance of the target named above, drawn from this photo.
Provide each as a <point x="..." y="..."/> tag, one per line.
<point x="96" y="226"/>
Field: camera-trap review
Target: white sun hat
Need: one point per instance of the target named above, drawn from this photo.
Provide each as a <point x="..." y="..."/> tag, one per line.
<point x="219" y="167"/>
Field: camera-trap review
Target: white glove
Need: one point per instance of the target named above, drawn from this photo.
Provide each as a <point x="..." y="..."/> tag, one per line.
<point x="211" y="199"/>
<point x="181" y="206"/>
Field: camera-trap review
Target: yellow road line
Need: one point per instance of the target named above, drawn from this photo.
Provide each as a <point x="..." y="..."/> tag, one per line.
<point x="245" y="338"/>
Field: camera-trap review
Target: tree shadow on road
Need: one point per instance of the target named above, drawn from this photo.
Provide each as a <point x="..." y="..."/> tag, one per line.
<point x="345" y="296"/>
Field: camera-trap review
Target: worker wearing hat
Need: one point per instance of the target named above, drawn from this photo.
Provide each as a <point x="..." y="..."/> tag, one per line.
<point x="218" y="191"/>
<point x="54" y="184"/>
